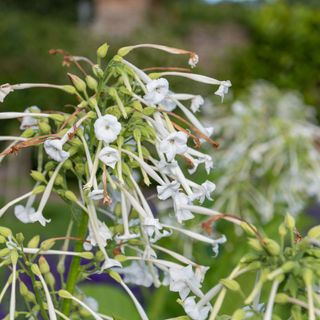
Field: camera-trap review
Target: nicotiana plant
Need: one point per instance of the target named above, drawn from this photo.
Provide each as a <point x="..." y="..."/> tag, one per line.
<point x="269" y="159"/>
<point x="130" y="129"/>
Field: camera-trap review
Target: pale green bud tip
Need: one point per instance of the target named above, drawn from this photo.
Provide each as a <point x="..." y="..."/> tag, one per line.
<point x="38" y="176"/>
<point x="47" y="244"/>
<point x="124" y="51"/>
<point x="64" y="294"/>
<point x="38" y="189"/>
<point x="43" y="264"/>
<point x="57" y="117"/>
<point x="248" y="228"/>
<point x="35" y="269"/>
<point x="34" y="242"/>
<point x="77" y="82"/>
<point x="230" y="284"/>
<point x="23" y="289"/>
<point x="50" y="280"/>
<point x="14" y="256"/>
<point x="307" y="276"/>
<point x="86" y="255"/>
<point x="69" y="89"/>
<point x="290" y="221"/>
<point x="6" y="232"/>
<point x="92" y="83"/>
<point x="239" y="314"/>
<point x="282" y="230"/>
<point x="115" y="276"/>
<point x="255" y="244"/>
<point x="281" y="298"/>
<point x="314" y="232"/>
<point x="71" y="196"/>
<point x="272" y="247"/>
<point x="92" y="102"/>
<point x="102" y="50"/>
<point x="288" y="266"/>
<point x="120" y="258"/>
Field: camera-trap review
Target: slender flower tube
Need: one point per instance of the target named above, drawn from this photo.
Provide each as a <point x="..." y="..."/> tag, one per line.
<point x="14" y="258"/>
<point x="274" y="288"/>
<point x="12" y="138"/>
<point x="14" y="115"/>
<point x="5" y="287"/>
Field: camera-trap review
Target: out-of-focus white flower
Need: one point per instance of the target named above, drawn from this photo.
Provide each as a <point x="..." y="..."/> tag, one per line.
<point x="174" y="143"/>
<point x="168" y="168"/>
<point x="194" y="311"/>
<point x="107" y="128"/>
<point x="23" y="213"/>
<point x="153" y="228"/>
<point x="180" y="199"/>
<point x="4" y="91"/>
<point x="215" y="245"/>
<point x="184" y="280"/>
<point x="168" y="104"/>
<point x="204" y="191"/>
<point x="96" y="194"/>
<point x="193" y="61"/>
<point x="109" y="156"/>
<point x="157" y="90"/>
<point x="138" y="273"/>
<point x="92" y="303"/>
<point x="168" y="190"/>
<point x="29" y="121"/>
<point x="196" y="103"/>
<point x="54" y="149"/>
<point x="223" y="89"/>
<point x="104" y="234"/>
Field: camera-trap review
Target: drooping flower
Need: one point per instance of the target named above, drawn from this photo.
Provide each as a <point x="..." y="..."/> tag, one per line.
<point x="104" y="234"/>
<point x="180" y="199"/>
<point x="204" y="191"/>
<point x="38" y="217"/>
<point x="54" y="149"/>
<point x="109" y="156"/>
<point x="184" y="280"/>
<point x="107" y="128"/>
<point x="23" y="213"/>
<point x="157" y="90"/>
<point x="174" y="143"/>
<point x="4" y="91"/>
<point x="223" y="89"/>
<point x="194" y="311"/>
<point x="29" y="121"/>
<point x="196" y="103"/>
<point x="168" y="190"/>
<point x="153" y="228"/>
<point x="168" y="104"/>
<point x="193" y="61"/>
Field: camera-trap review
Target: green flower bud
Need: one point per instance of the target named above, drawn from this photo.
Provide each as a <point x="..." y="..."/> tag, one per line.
<point x="314" y="232"/>
<point x="47" y="244"/>
<point x="50" y="165"/>
<point x="71" y="196"/>
<point x="102" y="50"/>
<point x="6" y="232"/>
<point x="38" y="176"/>
<point x="67" y="165"/>
<point x="230" y="284"/>
<point x="255" y="244"/>
<point x="2" y="240"/>
<point x="34" y="242"/>
<point x="307" y="276"/>
<point x="80" y="169"/>
<point x="79" y="84"/>
<point x="44" y="127"/>
<point x="50" y="280"/>
<point x="35" y="269"/>
<point x="30" y="297"/>
<point x="92" y="102"/>
<point x="69" y="89"/>
<point x="23" y="289"/>
<point x="137" y="105"/>
<point x="64" y="294"/>
<point x="288" y="266"/>
<point x="92" y="115"/>
<point x="86" y="255"/>
<point x="28" y="133"/>
<point x="38" y="189"/>
<point x="137" y="134"/>
<point x="14" y="256"/>
<point x="249" y="257"/>
<point x="20" y="237"/>
<point x="100" y="256"/>
<point x="272" y="247"/>
<point x="97" y="71"/>
<point x="114" y="275"/>
<point x="120" y="258"/>
<point x="290" y="221"/>
<point x="239" y="314"/>
<point x="43" y="264"/>
<point x="92" y="83"/>
<point x="149" y="111"/>
<point x="282" y="230"/>
<point x="57" y="117"/>
<point x="281" y="298"/>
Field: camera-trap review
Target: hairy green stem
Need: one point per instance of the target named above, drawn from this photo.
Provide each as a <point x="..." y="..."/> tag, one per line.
<point x="75" y="264"/>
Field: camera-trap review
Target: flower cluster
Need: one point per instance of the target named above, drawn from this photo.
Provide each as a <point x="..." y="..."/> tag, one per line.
<point x="128" y="128"/>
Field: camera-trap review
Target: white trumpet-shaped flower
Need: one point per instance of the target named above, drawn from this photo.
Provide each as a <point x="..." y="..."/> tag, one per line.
<point x="23" y="213"/>
<point x="196" y="103"/>
<point x="204" y="191"/>
<point x="107" y="128"/>
<point x="193" y="61"/>
<point x="54" y="149"/>
<point x="157" y="90"/>
<point x="4" y="91"/>
<point x="179" y="201"/>
<point x="104" y="234"/>
<point x="223" y="89"/>
<point x="109" y="156"/>
<point x="174" y="143"/>
<point x="30" y="121"/>
<point x="168" y="190"/>
<point x="195" y="311"/>
<point x="153" y="228"/>
<point x="96" y="194"/>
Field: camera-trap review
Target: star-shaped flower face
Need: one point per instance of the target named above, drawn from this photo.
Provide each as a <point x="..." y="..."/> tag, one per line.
<point x="157" y="90"/>
<point x="196" y="103"/>
<point x="168" y="190"/>
<point x="204" y="191"/>
<point x="107" y="128"/>
<point x="29" y="121"/>
<point x="223" y="89"/>
<point x="23" y="214"/>
<point x="175" y="143"/>
<point x="54" y="149"/>
<point x="180" y="199"/>
<point x="194" y="311"/>
<point x="104" y="234"/>
<point x="109" y="156"/>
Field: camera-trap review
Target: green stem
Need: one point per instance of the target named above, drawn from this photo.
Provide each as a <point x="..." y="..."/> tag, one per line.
<point x="75" y="264"/>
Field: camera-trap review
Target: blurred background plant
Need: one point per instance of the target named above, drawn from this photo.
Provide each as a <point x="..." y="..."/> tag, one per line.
<point x="243" y="41"/>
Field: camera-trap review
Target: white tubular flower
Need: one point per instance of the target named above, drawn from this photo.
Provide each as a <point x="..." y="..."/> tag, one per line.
<point x="194" y="311"/>
<point x="180" y="199"/>
<point x="168" y="104"/>
<point x="204" y="191"/>
<point x="174" y="143"/>
<point x="138" y="273"/>
<point x="157" y="90"/>
<point x="152" y="227"/>
<point x="109" y="156"/>
<point x="168" y="190"/>
<point x="184" y="280"/>
<point x="204" y="158"/>
<point x="223" y="89"/>
<point x="38" y="217"/>
<point x="196" y="103"/>
<point x="54" y="149"/>
<point x="23" y="213"/>
<point x="167" y="168"/>
<point x="193" y="61"/>
<point x="96" y="194"/>
<point x="29" y="121"/>
<point x="107" y="128"/>
<point x="5" y="89"/>
<point x="104" y="234"/>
